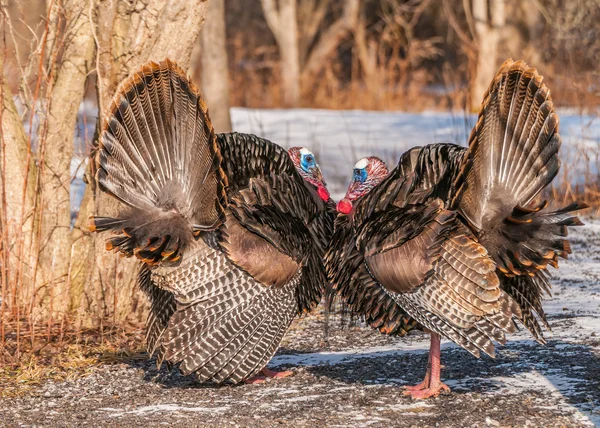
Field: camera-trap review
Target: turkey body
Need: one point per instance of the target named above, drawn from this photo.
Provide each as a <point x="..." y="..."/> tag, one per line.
<point x="452" y="238"/>
<point x="230" y="236"/>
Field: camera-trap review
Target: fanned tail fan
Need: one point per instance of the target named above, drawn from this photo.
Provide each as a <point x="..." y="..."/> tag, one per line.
<point x="159" y="156"/>
<point x="512" y="157"/>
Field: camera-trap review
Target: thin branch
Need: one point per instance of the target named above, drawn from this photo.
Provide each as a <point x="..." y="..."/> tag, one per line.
<point x="272" y="16"/>
<point x="329" y="41"/>
<point x="468" y="42"/>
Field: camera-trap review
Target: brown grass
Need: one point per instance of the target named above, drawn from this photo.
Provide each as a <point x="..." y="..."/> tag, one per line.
<point x="67" y="356"/>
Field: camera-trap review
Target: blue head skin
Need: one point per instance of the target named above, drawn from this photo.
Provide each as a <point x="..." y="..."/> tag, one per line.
<point x="306" y="165"/>
<point x="367" y="173"/>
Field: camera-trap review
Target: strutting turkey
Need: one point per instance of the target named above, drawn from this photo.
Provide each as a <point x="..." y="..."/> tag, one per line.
<point x="452" y="235"/>
<point x="231" y="236"/>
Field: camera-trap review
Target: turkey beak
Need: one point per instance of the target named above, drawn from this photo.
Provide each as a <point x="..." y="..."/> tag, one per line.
<point x="316" y="173"/>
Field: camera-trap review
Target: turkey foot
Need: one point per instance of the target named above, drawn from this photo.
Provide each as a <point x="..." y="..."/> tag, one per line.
<point x="255" y="380"/>
<point x="265" y="373"/>
<point x="431" y="385"/>
<point x="276" y="375"/>
<point x="417" y="387"/>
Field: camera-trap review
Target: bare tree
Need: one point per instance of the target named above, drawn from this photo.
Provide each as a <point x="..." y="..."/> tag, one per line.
<point x="17" y="191"/>
<point x="215" y="67"/>
<point x="56" y="151"/>
<point x="524" y="27"/>
<point x="50" y="272"/>
<point x="489" y="18"/>
<point x="379" y="52"/>
<point x="283" y="22"/>
<point x="141" y="30"/>
<point x="331" y="38"/>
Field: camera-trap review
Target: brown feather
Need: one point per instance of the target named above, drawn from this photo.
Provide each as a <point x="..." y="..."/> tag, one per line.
<point x="257" y="256"/>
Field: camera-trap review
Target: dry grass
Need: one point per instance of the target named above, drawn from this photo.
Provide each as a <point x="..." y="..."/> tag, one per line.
<point x="68" y="356"/>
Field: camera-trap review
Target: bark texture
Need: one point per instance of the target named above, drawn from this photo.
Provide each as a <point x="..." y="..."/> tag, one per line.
<point x="56" y="153"/>
<point x="17" y="188"/>
<point x="489" y="18"/>
<point x="215" y="67"/>
<point x="103" y="283"/>
<point x="284" y="26"/>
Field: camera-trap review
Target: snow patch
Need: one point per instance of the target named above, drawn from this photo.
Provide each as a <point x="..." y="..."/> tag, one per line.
<point x="157" y="408"/>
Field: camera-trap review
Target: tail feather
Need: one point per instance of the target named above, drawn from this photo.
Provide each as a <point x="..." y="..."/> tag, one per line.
<point x="223" y="323"/>
<point x="527" y="291"/>
<point x="158" y="155"/>
<point x="512" y="157"/>
<point x="162" y="307"/>
<point x="513" y="149"/>
<point x="240" y="352"/>
<point x="232" y="335"/>
<point x="276" y="318"/>
<point x="531" y="239"/>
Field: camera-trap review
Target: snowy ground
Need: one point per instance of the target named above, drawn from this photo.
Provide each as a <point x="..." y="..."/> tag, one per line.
<point x="355" y="378"/>
<point x="340" y="138"/>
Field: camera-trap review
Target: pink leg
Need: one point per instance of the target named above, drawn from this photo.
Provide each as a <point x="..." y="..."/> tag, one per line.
<point x="432" y="385"/>
<point x="265" y="373"/>
<point x="425" y="382"/>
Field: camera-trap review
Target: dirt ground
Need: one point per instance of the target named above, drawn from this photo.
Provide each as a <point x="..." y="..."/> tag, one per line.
<point x="355" y="378"/>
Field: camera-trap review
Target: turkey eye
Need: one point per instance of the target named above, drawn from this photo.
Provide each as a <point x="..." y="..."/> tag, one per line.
<point x="309" y="159"/>
<point x="359" y="175"/>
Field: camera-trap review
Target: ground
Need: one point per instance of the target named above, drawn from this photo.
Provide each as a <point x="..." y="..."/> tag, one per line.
<point x="355" y="378"/>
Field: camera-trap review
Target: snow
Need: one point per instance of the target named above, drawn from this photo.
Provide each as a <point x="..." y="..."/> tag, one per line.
<point x="149" y="410"/>
<point x="339" y="138"/>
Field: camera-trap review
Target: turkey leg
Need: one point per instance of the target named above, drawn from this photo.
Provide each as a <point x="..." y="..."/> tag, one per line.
<point x="431" y="385"/>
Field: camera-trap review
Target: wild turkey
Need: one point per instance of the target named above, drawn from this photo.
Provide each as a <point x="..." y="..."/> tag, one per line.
<point x="231" y="236"/>
<point x="452" y="235"/>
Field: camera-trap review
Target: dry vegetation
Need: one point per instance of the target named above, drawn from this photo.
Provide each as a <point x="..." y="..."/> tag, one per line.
<point x="64" y="300"/>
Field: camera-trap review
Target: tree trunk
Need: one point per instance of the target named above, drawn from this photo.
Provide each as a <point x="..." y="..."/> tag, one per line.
<point x="56" y="153"/>
<point x="215" y="66"/>
<point x="17" y="190"/>
<point x="489" y="20"/>
<point x="104" y="283"/>
<point x="282" y="22"/>
<point x="288" y="49"/>
<point x="366" y="53"/>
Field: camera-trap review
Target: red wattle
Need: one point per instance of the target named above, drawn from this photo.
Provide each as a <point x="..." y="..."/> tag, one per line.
<point x="344" y="206"/>
<point x="323" y="193"/>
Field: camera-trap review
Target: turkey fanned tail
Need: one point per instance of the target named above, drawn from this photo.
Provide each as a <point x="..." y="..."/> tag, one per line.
<point x="159" y="156"/>
<point x="512" y="157"/>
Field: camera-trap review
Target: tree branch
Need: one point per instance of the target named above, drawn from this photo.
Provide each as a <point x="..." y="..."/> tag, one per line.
<point x="272" y="16"/>
<point x="332" y="38"/>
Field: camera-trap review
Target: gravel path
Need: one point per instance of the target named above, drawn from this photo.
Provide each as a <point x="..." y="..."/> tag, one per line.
<point x="355" y="378"/>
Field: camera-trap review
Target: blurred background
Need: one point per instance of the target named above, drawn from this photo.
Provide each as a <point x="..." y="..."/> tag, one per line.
<point x="346" y="78"/>
<point x="369" y="54"/>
